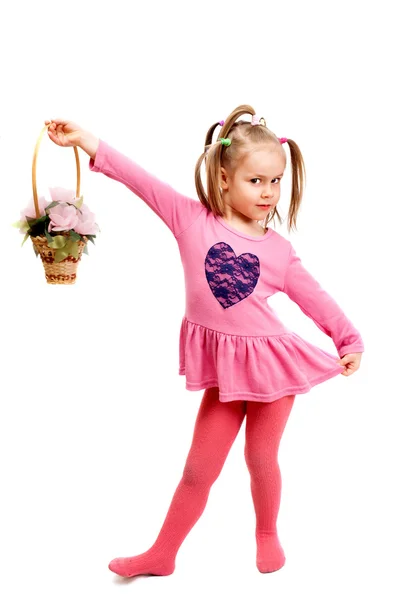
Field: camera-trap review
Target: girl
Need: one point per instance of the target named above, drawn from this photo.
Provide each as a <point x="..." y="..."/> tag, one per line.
<point x="232" y="344"/>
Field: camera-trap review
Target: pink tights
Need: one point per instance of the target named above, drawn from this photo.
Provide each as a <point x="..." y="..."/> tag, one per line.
<point x="217" y="425"/>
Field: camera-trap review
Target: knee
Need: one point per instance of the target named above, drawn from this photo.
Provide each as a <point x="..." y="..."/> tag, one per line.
<point x="197" y="474"/>
<point x="260" y="458"/>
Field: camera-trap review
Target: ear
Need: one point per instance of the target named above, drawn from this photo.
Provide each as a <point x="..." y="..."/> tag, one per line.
<point x="224" y="179"/>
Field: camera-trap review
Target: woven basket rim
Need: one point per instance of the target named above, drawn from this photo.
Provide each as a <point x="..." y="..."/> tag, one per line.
<point x="43" y="238"/>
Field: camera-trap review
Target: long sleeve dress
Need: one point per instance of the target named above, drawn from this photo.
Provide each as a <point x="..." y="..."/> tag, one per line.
<point x="230" y="337"/>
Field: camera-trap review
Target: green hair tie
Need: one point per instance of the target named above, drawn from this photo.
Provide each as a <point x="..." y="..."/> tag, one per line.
<point x="225" y="141"/>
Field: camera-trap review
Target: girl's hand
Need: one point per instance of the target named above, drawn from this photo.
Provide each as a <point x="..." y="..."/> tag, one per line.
<point x="66" y="133"/>
<point x="351" y="362"/>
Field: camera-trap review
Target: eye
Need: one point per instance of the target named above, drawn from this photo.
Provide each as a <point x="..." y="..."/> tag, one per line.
<point x="277" y="179"/>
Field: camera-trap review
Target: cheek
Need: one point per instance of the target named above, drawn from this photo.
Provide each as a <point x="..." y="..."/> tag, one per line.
<point x="240" y="189"/>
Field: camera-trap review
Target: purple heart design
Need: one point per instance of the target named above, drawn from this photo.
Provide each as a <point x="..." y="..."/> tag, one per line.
<point x="231" y="278"/>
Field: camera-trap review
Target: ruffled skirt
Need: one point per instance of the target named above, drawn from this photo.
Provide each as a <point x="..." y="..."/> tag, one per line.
<point x="258" y="368"/>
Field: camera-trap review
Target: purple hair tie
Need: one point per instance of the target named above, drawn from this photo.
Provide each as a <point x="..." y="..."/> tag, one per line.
<point x="283" y="140"/>
<point x="222" y="122"/>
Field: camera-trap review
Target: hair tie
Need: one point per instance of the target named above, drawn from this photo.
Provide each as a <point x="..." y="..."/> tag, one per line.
<point x="283" y="140"/>
<point x="222" y="122"/>
<point x="256" y="120"/>
<point x="225" y="141"/>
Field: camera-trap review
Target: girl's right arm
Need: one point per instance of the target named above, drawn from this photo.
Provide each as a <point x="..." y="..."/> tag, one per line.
<point x="176" y="210"/>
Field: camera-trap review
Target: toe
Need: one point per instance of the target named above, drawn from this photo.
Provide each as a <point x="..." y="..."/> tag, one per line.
<point x="114" y="564"/>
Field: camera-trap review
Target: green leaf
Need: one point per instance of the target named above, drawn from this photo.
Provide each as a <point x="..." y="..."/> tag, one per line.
<point x="34" y="221"/>
<point x="91" y="238"/>
<point x="37" y="226"/>
<point x="60" y="254"/>
<point x="85" y="249"/>
<point x="20" y="225"/>
<point x="25" y="238"/>
<point x="58" y="242"/>
<point x="72" y="248"/>
<point x="79" y="202"/>
<point x="49" y="237"/>
<point x="51" y="205"/>
<point x="75" y="236"/>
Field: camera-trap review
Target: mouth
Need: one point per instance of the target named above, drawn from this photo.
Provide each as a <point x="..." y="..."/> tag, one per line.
<point x="264" y="206"/>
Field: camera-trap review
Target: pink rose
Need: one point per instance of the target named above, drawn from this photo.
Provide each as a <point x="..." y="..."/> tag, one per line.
<point x="63" y="217"/>
<point x="30" y="212"/>
<point x="59" y="194"/>
<point x="86" y="224"/>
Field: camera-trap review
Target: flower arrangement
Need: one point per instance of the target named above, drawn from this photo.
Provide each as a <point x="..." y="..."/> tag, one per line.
<point x="64" y="221"/>
<point x="60" y="233"/>
<point x="59" y="226"/>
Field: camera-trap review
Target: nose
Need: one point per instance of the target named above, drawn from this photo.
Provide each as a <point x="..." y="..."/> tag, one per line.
<point x="267" y="192"/>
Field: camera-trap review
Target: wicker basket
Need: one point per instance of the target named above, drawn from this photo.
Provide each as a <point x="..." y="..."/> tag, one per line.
<point x="63" y="272"/>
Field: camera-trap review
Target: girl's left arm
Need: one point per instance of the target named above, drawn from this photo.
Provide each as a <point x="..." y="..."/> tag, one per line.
<point x="316" y="303"/>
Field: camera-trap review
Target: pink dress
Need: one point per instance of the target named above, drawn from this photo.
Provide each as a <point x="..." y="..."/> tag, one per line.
<point x="230" y="337"/>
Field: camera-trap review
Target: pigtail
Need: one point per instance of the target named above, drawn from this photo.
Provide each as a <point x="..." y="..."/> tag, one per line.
<point x="208" y="156"/>
<point x="213" y="171"/>
<point x="212" y="159"/>
<point x="298" y="182"/>
<point x="212" y="156"/>
<point x="198" y="182"/>
<point x="209" y="135"/>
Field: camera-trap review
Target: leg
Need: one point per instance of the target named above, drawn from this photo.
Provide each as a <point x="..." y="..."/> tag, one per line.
<point x="217" y="425"/>
<point x="264" y="428"/>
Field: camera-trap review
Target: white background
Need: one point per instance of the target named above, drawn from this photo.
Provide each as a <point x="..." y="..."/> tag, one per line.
<point x="95" y="422"/>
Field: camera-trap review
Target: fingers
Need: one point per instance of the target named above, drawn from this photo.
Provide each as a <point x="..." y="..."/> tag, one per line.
<point x="349" y="371"/>
<point x="53" y="124"/>
<point x="55" y="133"/>
<point x="53" y="137"/>
<point x="57" y="121"/>
<point x="60" y="133"/>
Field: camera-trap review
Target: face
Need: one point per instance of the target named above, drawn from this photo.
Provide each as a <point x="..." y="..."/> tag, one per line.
<point x="254" y="182"/>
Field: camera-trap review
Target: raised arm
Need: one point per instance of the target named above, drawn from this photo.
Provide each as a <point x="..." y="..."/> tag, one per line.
<point x="176" y="210"/>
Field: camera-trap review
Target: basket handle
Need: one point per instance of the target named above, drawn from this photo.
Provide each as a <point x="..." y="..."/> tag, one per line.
<point x="34" y="186"/>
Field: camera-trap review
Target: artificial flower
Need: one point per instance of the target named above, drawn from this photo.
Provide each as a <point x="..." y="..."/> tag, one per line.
<point x="59" y="194"/>
<point x="63" y="217"/>
<point x="86" y="222"/>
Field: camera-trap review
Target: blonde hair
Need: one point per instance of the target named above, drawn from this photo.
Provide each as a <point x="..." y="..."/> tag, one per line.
<point x="244" y="136"/>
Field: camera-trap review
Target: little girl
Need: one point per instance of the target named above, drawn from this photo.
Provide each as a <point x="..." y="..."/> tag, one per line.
<point x="232" y="344"/>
